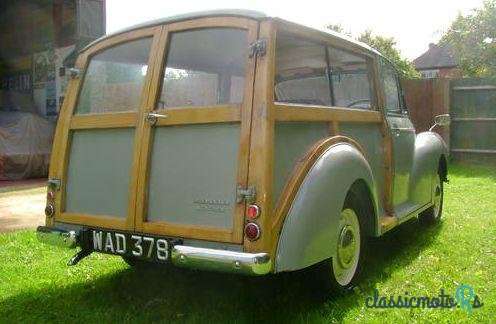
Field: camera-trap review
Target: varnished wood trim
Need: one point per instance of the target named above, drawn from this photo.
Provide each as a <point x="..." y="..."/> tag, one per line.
<point x="121" y="38"/>
<point x="104" y="221"/>
<point x="296" y="179"/>
<point x="117" y="120"/>
<point x="59" y="157"/>
<point x="204" y="115"/>
<point x="333" y="128"/>
<point x="188" y="231"/>
<point x="262" y="138"/>
<point x="387" y="194"/>
<point x="144" y="136"/>
<point x="293" y="112"/>
<point x="197" y="115"/>
<point x="62" y="141"/>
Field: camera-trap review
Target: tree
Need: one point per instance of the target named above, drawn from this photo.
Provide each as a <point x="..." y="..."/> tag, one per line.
<point x="473" y="38"/>
<point x="387" y="47"/>
<point x="339" y="29"/>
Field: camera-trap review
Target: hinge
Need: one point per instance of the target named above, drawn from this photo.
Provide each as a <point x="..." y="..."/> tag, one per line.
<point x="74" y="73"/>
<point x="259" y="47"/>
<point x="54" y="183"/>
<point x="249" y="194"/>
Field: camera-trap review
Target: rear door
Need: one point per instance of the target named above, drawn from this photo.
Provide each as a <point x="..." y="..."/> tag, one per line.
<point x="97" y="144"/>
<point x="196" y="131"/>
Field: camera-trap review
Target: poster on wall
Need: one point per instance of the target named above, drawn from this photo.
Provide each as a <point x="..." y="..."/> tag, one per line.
<point x="43" y="68"/>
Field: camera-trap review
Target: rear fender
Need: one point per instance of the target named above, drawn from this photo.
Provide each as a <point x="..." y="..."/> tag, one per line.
<point x="430" y="150"/>
<point x="308" y="233"/>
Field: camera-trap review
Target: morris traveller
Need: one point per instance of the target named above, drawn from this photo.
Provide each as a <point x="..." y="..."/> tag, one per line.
<point x="237" y="142"/>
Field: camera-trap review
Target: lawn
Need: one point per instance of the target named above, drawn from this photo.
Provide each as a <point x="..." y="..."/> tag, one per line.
<point x="36" y="286"/>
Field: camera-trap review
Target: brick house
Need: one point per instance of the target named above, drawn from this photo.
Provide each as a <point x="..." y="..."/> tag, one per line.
<point x="438" y="62"/>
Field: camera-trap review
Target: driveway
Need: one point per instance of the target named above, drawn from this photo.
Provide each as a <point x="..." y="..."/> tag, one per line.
<point x="22" y="208"/>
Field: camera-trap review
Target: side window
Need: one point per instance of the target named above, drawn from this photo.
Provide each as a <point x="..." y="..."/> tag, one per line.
<point x="114" y="79"/>
<point x="205" y="67"/>
<point x="391" y="89"/>
<point x="301" y="75"/>
<point x="350" y="76"/>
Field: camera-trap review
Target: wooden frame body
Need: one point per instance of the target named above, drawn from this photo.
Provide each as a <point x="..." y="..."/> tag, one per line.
<point x="257" y="115"/>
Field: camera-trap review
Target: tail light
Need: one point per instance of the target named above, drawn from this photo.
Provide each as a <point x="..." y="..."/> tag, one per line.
<point x="253" y="211"/>
<point x="49" y="210"/>
<point x="252" y="231"/>
<point x="50" y="195"/>
<point x="53" y="185"/>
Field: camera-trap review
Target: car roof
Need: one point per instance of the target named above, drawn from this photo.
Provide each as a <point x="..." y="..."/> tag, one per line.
<point x="242" y="13"/>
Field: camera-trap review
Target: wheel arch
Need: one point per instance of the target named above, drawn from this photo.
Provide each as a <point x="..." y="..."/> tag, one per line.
<point x="307" y="229"/>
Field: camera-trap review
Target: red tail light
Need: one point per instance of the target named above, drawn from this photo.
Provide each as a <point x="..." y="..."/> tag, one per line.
<point x="49" y="210"/>
<point x="253" y="211"/>
<point x="252" y="231"/>
<point x="50" y="196"/>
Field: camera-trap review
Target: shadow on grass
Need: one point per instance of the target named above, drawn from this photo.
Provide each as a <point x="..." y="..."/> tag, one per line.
<point x="170" y="294"/>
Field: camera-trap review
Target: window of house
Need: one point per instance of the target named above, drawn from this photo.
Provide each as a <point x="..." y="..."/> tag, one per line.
<point x="429" y="74"/>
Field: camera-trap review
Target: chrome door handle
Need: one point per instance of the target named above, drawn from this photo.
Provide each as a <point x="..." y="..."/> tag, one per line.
<point x="153" y="117"/>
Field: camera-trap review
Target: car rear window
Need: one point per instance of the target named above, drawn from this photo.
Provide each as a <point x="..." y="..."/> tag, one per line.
<point x="204" y="67"/>
<point x="114" y="79"/>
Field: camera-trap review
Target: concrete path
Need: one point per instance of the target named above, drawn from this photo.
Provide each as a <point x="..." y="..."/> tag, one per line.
<point x="22" y="207"/>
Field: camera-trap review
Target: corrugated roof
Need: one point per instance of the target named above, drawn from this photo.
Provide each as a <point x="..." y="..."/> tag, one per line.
<point x="438" y="56"/>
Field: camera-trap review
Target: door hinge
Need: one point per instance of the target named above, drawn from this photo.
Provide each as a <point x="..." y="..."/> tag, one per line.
<point x="249" y="194"/>
<point x="54" y="183"/>
<point x="259" y="48"/>
<point x="74" y="73"/>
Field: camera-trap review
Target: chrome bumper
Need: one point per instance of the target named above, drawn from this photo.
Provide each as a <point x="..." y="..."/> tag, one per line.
<point x="56" y="236"/>
<point x="221" y="260"/>
<point x="182" y="256"/>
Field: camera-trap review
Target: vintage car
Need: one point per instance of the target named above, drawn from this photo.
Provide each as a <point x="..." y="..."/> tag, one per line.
<point x="237" y="142"/>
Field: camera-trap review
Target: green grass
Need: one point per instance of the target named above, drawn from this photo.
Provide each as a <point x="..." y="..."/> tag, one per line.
<point x="36" y="286"/>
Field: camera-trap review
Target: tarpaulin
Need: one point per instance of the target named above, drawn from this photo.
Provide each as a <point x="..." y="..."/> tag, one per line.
<point x="25" y="145"/>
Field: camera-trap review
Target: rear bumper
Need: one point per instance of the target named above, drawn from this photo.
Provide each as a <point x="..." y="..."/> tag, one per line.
<point x="57" y="237"/>
<point x="221" y="260"/>
<point x="181" y="255"/>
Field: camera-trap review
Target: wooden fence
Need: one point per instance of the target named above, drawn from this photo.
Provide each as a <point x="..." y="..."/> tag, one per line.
<point x="471" y="103"/>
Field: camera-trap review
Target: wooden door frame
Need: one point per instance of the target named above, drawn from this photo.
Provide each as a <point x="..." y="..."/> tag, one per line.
<point x="266" y="112"/>
<point x="196" y="115"/>
<point x="67" y="122"/>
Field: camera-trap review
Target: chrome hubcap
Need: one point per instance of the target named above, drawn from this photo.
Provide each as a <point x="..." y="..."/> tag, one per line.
<point x="346" y="246"/>
<point x="345" y="263"/>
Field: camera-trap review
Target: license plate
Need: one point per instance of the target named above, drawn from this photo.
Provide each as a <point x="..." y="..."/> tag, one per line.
<point x="130" y="245"/>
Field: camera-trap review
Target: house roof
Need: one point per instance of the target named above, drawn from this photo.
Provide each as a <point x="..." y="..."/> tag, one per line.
<point x="438" y="56"/>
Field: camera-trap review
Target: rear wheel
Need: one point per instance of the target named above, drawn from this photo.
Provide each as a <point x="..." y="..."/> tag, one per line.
<point x="341" y="273"/>
<point x="433" y="214"/>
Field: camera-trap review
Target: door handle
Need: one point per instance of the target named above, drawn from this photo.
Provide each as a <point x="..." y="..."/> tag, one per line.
<point x="153" y="117"/>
